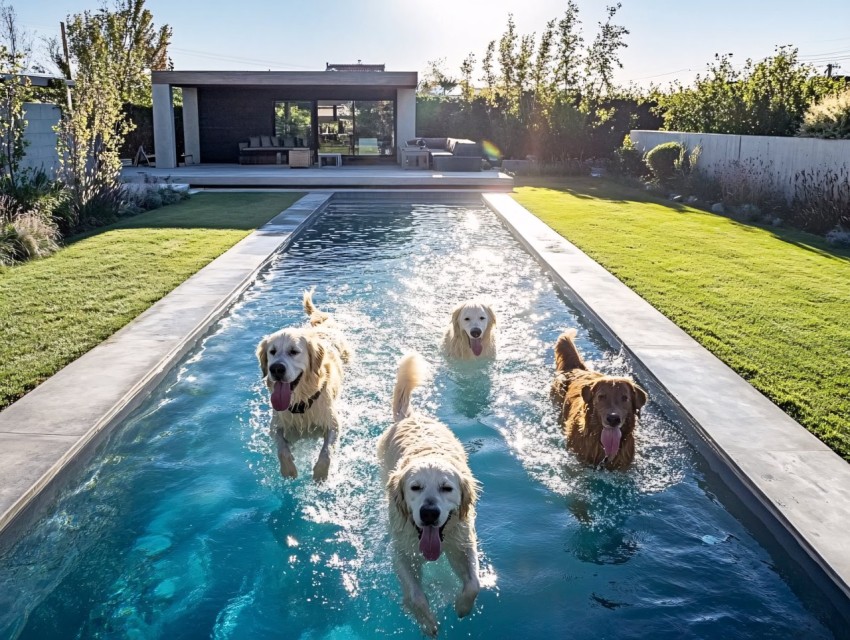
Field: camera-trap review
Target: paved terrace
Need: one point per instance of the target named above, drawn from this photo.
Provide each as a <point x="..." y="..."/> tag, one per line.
<point x="345" y="177"/>
<point x="795" y="485"/>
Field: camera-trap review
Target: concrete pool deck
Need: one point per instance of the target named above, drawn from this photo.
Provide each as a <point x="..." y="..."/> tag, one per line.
<point x="792" y="482"/>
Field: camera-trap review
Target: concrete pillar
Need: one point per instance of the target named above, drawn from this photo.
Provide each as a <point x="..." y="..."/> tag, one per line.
<point x="164" y="138"/>
<point x="405" y="115"/>
<point x="191" y="126"/>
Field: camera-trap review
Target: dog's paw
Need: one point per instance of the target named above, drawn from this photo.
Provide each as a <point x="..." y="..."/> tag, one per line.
<point x="466" y="599"/>
<point x="287" y="467"/>
<point x="320" y="469"/>
<point x="418" y="605"/>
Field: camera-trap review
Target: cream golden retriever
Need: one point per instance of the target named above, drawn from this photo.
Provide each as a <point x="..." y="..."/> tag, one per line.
<point x="431" y="494"/>
<point x="302" y="368"/>
<point x="471" y="333"/>
<point x="598" y="412"/>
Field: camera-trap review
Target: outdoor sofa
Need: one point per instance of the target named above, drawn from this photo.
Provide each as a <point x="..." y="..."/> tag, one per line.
<point x="449" y="154"/>
<point x="269" y="149"/>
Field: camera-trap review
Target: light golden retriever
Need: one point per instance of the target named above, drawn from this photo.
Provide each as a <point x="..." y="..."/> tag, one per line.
<point x="598" y="412"/>
<point x="431" y="494"/>
<point x="471" y="333"/>
<point x="302" y="368"/>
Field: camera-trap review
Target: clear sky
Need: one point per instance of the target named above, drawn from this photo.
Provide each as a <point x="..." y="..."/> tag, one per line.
<point x="669" y="39"/>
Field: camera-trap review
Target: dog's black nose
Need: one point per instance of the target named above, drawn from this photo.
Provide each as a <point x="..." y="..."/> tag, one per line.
<point x="475" y="333"/>
<point x="613" y="419"/>
<point x="429" y="514"/>
<point x="278" y="370"/>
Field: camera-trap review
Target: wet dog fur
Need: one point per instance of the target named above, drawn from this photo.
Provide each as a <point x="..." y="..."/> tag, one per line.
<point x="302" y="369"/>
<point x="431" y="494"/>
<point x="598" y="412"/>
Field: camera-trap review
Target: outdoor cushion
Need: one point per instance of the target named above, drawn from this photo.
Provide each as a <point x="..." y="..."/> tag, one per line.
<point x="254" y="141"/>
<point x="288" y="141"/>
<point x="266" y="141"/>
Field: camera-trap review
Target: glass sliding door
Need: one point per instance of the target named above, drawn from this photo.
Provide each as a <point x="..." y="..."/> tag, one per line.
<point x="374" y="127"/>
<point x="293" y="123"/>
<point x="357" y="127"/>
<point x="336" y="126"/>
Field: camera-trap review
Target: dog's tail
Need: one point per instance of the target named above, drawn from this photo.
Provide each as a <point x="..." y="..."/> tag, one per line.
<point x="566" y="355"/>
<point x="412" y="371"/>
<point x="316" y="316"/>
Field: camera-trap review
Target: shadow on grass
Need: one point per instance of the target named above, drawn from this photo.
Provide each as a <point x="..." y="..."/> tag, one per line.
<point x="211" y="211"/>
<point x="610" y="191"/>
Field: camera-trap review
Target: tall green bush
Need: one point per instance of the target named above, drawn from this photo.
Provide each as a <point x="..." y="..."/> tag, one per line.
<point x="765" y="98"/>
<point x="663" y="159"/>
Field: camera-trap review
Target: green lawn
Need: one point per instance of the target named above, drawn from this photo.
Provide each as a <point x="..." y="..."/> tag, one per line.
<point x="773" y="304"/>
<point x="54" y="310"/>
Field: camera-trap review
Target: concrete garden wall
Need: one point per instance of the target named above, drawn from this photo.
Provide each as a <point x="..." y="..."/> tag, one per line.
<point x="779" y="158"/>
<point x="41" y="150"/>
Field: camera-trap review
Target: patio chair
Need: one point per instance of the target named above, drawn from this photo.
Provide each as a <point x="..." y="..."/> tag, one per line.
<point x="141" y="156"/>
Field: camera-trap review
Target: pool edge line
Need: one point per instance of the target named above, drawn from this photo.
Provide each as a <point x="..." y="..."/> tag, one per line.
<point x="576" y="273"/>
<point x="28" y="506"/>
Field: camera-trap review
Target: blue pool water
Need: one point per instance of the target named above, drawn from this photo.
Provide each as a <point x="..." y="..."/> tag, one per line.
<point x="182" y="527"/>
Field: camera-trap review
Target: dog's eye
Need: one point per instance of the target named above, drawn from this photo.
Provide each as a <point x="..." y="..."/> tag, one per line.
<point x="601" y="396"/>
<point x="416" y="487"/>
<point x="466" y="319"/>
<point x="272" y="351"/>
<point x="625" y="398"/>
<point x="481" y="318"/>
<point x="293" y="352"/>
<point x="446" y="489"/>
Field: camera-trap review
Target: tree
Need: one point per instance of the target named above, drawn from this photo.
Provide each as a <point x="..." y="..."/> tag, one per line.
<point x="467" y="91"/>
<point x="602" y="56"/>
<point x="15" y="90"/>
<point x="568" y="47"/>
<point x="435" y="80"/>
<point x="769" y="97"/>
<point x="125" y="34"/>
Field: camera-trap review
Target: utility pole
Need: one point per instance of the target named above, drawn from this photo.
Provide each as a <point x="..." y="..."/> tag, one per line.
<point x="830" y="67"/>
<point x="67" y="65"/>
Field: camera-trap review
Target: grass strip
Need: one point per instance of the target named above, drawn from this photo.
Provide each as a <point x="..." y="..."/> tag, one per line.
<point x="772" y="303"/>
<point x="52" y="311"/>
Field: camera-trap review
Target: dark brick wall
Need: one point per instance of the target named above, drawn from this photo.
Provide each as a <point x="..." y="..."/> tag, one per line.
<point x="229" y="115"/>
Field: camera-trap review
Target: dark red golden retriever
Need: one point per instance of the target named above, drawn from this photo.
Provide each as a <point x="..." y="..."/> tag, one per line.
<point x="598" y="412"/>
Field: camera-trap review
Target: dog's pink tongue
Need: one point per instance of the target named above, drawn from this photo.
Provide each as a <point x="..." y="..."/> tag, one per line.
<point x="611" y="440"/>
<point x="430" y="544"/>
<point x="281" y="396"/>
<point x="475" y="343"/>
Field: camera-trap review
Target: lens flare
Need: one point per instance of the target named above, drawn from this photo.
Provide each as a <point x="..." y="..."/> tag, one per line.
<point x="491" y="150"/>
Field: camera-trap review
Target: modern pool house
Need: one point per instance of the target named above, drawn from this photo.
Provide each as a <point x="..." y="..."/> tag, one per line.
<point x="355" y="112"/>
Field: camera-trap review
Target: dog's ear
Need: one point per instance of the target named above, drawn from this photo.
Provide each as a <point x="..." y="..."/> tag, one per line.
<point x="468" y="494"/>
<point x="395" y="493"/>
<point x="262" y="356"/>
<point x="587" y="394"/>
<point x="491" y="316"/>
<point x="456" y="318"/>
<point x="639" y="398"/>
<point x="317" y="353"/>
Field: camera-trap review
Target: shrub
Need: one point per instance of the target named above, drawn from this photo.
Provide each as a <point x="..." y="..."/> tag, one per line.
<point x="629" y="161"/>
<point x="24" y="235"/>
<point x="570" y="167"/>
<point x="662" y="160"/>
<point x="821" y="201"/>
<point x="838" y="237"/>
<point x="829" y="118"/>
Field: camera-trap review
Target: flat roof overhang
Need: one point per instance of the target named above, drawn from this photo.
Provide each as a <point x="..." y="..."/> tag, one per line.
<point x="384" y="79"/>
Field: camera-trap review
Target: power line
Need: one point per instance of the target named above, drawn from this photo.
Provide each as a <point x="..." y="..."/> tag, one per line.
<point x="254" y="61"/>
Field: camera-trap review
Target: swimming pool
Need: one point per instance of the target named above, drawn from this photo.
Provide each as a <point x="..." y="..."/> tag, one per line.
<point x="183" y="528"/>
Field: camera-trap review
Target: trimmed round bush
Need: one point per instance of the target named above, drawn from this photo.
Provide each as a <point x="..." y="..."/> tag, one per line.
<point x="662" y="160"/>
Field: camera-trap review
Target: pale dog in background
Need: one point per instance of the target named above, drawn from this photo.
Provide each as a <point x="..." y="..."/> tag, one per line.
<point x="471" y="333"/>
<point x="302" y="368"/>
<point x="431" y="493"/>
